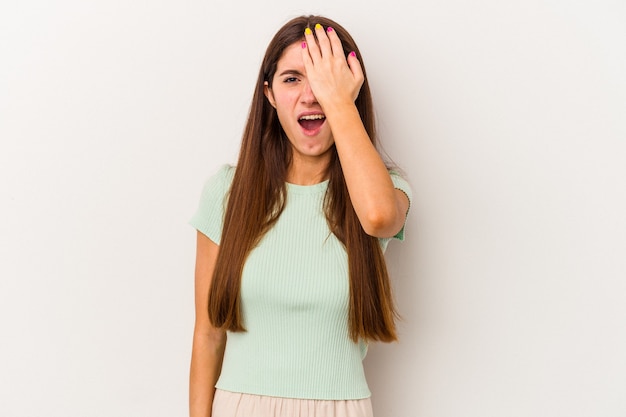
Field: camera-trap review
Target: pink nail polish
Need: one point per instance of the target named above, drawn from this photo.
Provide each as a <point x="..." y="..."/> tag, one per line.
<point x="352" y="53"/>
<point x="303" y="45"/>
<point x="329" y="29"/>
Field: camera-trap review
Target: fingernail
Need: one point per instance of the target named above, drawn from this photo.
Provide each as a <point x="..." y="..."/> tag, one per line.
<point x="352" y="53"/>
<point x="307" y="31"/>
<point x="329" y="29"/>
<point x="318" y="26"/>
<point x="303" y="45"/>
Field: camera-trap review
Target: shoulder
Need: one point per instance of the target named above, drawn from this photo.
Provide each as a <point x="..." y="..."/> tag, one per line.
<point x="224" y="175"/>
<point x="211" y="208"/>
<point x="400" y="183"/>
<point x="219" y="183"/>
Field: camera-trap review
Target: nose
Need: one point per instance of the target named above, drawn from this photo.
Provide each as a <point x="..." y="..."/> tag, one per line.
<point x="306" y="96"/>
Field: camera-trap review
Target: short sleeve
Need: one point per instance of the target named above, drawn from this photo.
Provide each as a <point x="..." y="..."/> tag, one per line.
<point x="402" y="185"/>
<point x="209" y="216"/>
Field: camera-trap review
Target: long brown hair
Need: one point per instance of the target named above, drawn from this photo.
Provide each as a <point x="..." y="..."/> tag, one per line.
<point x="257" y="197"/>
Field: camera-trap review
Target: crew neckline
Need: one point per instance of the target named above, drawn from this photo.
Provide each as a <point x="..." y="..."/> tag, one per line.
<point x="307" y="189"/>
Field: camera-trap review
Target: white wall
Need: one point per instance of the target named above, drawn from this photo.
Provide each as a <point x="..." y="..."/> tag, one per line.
<point x="508" y="118"/>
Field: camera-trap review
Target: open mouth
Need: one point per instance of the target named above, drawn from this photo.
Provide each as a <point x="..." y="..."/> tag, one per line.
<point x="312" y="121"/>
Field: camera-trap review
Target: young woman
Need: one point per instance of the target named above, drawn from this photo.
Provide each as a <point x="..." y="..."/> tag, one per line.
<point x="291" y="283"/>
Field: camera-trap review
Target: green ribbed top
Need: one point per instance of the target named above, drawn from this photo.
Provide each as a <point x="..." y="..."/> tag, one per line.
<point x="294" y="295"/>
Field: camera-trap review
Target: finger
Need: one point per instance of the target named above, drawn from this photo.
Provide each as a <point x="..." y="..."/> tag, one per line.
<point x="306" y="56"/>
<point x="355" y="67"/>
<point x="323" y="41"/>
<point x="312" y="46"/>
<point x="335" y="42"/>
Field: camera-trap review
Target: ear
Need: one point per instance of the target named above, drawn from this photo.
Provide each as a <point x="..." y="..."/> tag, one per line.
<point x="268" y="93"/>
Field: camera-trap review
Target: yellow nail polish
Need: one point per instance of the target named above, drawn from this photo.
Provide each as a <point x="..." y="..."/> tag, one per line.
<point x="307" y="31"/>
<point x="318" y="26"/>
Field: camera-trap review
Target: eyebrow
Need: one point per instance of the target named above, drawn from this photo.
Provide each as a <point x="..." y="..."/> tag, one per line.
<point x="291" y="72"/>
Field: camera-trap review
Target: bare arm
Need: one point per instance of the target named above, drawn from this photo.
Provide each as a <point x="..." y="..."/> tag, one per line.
<point x="336" y="82"/>
<point x="380" y="207"/>
<point x="208" y="342"/>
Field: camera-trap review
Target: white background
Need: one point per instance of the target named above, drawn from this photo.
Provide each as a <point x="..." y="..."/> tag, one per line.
<point x="507" y="116"/>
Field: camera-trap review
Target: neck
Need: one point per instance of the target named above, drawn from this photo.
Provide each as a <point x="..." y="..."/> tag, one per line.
<point x="304" y="172"/>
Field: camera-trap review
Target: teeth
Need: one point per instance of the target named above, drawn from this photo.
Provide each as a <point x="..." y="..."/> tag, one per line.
<point x="313" y="117"/>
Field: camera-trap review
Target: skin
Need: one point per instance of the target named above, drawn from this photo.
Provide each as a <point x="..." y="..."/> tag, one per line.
<point x="315" y="79"/>
<point x="208" y="342"/>
<point x="291" y="95"/>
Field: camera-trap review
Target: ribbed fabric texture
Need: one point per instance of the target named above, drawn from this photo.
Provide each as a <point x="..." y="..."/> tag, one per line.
<point x="294" y="295"/>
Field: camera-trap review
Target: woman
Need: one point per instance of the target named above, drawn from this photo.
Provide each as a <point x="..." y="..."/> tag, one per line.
<point x="290" y="242"/>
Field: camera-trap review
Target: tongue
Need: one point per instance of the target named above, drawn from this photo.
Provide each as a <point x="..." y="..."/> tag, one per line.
<point x="311" y="124"/>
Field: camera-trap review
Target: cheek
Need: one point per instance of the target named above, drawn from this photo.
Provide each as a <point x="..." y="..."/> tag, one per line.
<point x="285" y="118"/>
<point x="285" y="107"/>
<point x="285" y="98"/>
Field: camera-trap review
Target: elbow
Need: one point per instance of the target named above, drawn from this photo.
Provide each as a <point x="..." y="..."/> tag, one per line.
<point x="210" y="335"/>
<point x="217" y="336"/>
<point x="381" y="223"/>
<point x="384" y="218"/>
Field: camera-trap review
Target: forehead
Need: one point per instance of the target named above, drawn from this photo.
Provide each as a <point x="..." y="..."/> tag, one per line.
<point x="291" y="58"/>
